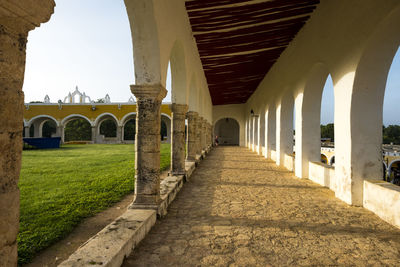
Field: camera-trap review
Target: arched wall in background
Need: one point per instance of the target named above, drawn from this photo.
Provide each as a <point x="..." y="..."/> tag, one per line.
<point x="228" y="131"/>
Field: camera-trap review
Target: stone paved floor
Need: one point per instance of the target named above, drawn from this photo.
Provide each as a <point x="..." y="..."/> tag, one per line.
<point x="239" y="209"/>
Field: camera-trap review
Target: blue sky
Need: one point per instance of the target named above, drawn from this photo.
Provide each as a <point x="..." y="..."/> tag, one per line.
<point x="88" y="43"/>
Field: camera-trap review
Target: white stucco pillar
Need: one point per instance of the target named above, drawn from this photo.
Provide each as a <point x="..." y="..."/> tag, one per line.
<point x="94" y="134"/>
<point x="261" y="134"/>
<point x="120" y="132"/>
<point x="308" y="133"/>
<point x="284" y="129"/>
<point x="270" y="132"/>
<point x="37" y="132"/>
<point x="26" y="131"/>
<point x="246" y="136"/>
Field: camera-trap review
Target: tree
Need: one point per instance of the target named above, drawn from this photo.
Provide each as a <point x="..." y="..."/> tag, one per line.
<point x="78" y="130"/>
<point x="130" y="130"/>
<point x="328" y="131"/>
<point x="391" y="134"/>
<point x="49" y="127"/>
<point x="108" y="128"/>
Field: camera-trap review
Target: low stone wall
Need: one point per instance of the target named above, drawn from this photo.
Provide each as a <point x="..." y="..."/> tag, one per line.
<point x="289" y="162"/>
<point x="383" y="199"/>
<point x="322" y="174"/>
<point x="111" y="245"/>
<point x="273" y="155"/>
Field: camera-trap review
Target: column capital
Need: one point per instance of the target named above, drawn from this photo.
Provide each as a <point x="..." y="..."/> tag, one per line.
<point x="155" y="91"/>
<point x="192" y="114"/>
<point x="178" y="108"/>
<point x="25" y="15"/>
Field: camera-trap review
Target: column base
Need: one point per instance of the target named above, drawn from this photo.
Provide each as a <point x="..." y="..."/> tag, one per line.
<point x="140" y="206"/>
<point x="177" y="173"/>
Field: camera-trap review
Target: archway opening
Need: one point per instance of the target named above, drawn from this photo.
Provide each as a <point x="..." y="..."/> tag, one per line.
<point x="324" y="159"/>
<point x="165" y="128"/>
<point x="163" y="131"/>
<point x="49" y="128"/>
<point x="130" y="130"/>
<point x="77" y="129"/>
<point x="228" y="131"/>
<point x="327" y="116"/>
<point x="108" y="128"/>
<point x="391" y="122"/>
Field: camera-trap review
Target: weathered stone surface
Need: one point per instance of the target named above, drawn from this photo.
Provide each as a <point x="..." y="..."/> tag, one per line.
<point x="239" y="209"/>
<point x="178" y="138"/>
<point x="191" y="136"/>
<point x="198" y="135"/>
<point x="203" y="134"/>
<point x="17" y="18"/>
<point x="110" y="246"/>
<point x="147" y="145"/>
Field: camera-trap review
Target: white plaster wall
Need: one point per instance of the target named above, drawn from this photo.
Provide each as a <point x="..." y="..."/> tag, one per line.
<point x="289" y="162"/>
<point x="383" y="199"/>
<point x="336" y="36"/>
<point x="161" y="30"/>
<point x="322" y="174"/>
<point x="231" y="111"/>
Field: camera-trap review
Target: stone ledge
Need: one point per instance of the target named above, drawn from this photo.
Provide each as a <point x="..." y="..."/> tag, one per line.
<point x="189" y="166"/>
<point x="117" y="240"/>
<point x="111" y="245"/>
<point x="169" y="188"/>
<point x="383" y="199"/>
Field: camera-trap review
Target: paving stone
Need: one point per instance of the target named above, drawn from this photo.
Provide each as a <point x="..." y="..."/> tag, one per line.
<point x="239" y="209"/>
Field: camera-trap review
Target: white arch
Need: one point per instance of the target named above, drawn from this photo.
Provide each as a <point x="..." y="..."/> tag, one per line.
<point x="166" y="115"/>
<point x="69" y="117"/>
<point x="327" y="158"/>
<point x="331" y="160"/>
<point x="123" y="122"/>
<point x="232" y="139"/>
<point x="98" y="119"/>
<point x="29" y="123"/>
<point x="389" y="169"/>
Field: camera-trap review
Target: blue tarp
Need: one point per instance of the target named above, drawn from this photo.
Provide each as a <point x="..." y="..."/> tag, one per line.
<point x="43" y="142"/>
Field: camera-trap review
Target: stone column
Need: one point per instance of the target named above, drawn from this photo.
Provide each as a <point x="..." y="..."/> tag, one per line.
<point x="208" y="143"/>
<point x="203" y="134"/>
<point x="147" y="145"/>
<point x="26" y="129"/>
<point x="94" y="134"/>
<point x="36" y="129"/>
<point x="16" y="20"/>
<point x="119" y="134"/>
<point x="191" y="136"/>
<point x="178" y="138"/>
<point x="198" y="135"/>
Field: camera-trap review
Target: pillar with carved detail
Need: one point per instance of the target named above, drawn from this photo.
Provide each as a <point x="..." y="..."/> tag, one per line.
<point x="198" y="135"/>
<point x="147" y="145"/>
<point x="17" y="18"/>
<point x="178" y="112"/>
<point x="203" y="134"/>
<point x="191" y="136"/>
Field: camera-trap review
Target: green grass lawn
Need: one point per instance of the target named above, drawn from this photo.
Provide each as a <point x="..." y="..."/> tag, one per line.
<point x="60" y="187"/>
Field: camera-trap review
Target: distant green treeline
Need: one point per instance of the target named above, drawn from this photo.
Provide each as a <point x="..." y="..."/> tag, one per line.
<point x="390" y="134"/>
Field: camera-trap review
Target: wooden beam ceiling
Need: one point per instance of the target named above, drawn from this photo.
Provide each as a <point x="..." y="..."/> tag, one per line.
<point x="240" y="40"/>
